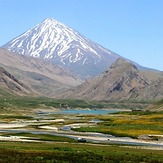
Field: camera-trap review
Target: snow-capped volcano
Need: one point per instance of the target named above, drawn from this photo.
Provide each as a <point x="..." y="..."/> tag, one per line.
<point x="54" y="41"/>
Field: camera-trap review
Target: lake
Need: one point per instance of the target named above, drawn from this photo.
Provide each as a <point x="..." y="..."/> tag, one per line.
<point x="84" y="111"/>
<point x="81" y="111"/>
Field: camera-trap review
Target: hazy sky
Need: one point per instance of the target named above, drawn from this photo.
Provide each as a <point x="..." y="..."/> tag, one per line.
<point x="131" y="28"/>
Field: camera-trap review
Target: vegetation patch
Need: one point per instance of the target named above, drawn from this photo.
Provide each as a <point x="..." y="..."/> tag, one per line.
<point x="36" y="102"/>
<point x="59" y="152"/>
<point x="130" y="124"/>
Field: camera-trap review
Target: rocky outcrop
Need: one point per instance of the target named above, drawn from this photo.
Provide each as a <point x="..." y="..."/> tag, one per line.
<point x="153" y="91"/>
<point x="9" y="82"/>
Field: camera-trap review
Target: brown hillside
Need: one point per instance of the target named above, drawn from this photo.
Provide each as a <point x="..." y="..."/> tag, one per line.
<point x="119" y="82"/>
<point x="154" y="91"/>
<point x="42" y="77"/>
<point x="9" y="82"/>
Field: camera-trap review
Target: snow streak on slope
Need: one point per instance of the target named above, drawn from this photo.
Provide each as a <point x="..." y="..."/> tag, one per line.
<point x="54" y="41"/>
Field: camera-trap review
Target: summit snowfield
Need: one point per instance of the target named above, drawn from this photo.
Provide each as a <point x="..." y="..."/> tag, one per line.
<point x="56" y="42"/>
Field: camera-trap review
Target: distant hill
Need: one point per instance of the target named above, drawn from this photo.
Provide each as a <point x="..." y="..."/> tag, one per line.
<point x="42" y="77"/>
<point x="120" y="82"/>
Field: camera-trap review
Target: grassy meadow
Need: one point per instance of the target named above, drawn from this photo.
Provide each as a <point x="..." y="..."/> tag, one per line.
<point x="132" y="124"/>
<point x="74" y="152"/>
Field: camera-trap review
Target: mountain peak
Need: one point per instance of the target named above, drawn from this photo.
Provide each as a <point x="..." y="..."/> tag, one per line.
<point x="58" y="43"/>
<point x="118" y="62"/>
<point x="51" y="21"/>
<point x="122" y="64"/>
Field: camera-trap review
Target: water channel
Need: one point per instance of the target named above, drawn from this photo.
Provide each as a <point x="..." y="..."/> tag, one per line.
<point x="92" y="137"/>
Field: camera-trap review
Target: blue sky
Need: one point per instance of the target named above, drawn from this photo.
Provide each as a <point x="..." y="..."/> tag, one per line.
<point x="131" y="28"/>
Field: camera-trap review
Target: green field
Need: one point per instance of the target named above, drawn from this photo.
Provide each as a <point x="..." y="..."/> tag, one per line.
<point x="74" y="152"/>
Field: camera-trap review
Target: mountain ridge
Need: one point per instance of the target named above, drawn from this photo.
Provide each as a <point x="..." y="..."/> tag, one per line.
<point x="44" y="49"/>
